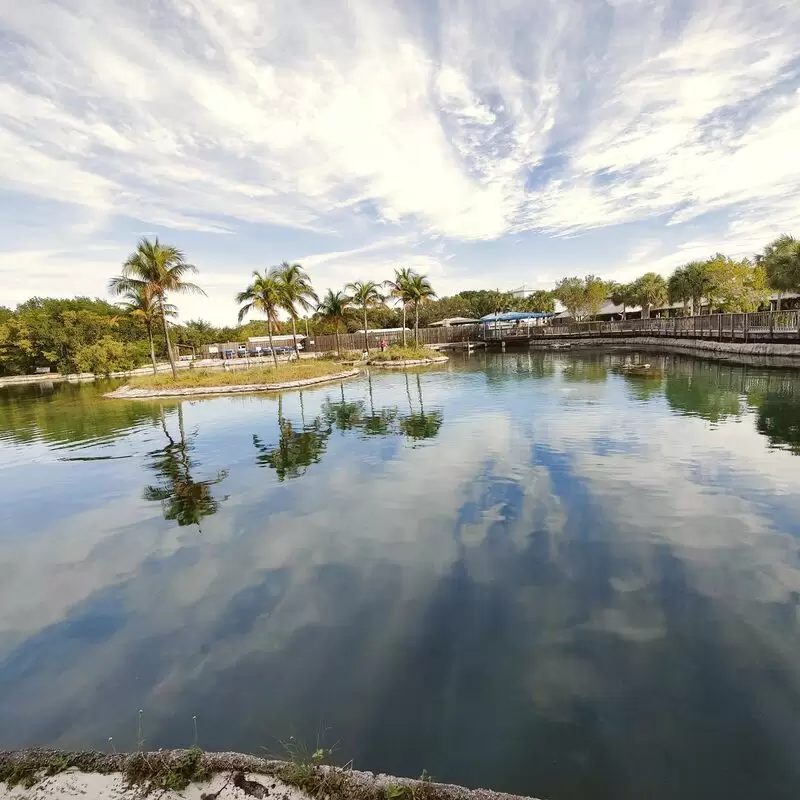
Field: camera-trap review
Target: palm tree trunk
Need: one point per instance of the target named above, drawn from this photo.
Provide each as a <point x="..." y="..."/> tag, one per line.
<point x="778" y="302"/>
<point x="338" y="346"/>
<point x="294" y="336"/>
<point x="416" y="324"/>
<point x="152" y="346"/>
<point x="404" y="323"/>
<point x="166" y="337"/>
<point x="271" y="346"/>
<point x="624" y="311"/>
<point x="366" y="337"/>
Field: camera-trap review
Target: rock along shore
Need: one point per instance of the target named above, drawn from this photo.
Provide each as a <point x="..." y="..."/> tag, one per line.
<point x="411" y="362"/>
<point x="132" y="393"/>
<point x="194" y="775"/>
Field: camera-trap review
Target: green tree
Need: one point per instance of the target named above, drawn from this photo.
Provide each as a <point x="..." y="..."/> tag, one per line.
<point x="420" y="291"/>
<point x="736" y="285"/>
<point x="650" y="290"/>
<point x="297" y="293"/>
<point x="335" y="308"/>
<point x="140" y="302"/>
<point x="781" y="262"/>
<point x="540" y="301"/>
<point x="621" y="294"/>
<point x="264" y="294"/>
<point x="365" y="295"/>
<point x="581" y="297"/>
<point x="399" y="288"/>
<point x="161" y="269"/>
<point x="596" y="291"/>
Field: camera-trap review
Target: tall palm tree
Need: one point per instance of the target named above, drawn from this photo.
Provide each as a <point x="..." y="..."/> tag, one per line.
<point x="399" y="289"/>
<point x="264" y="294"/>
<point x="622" y="295"/>
<point x="650" y="290"/>
<point x="420" y="291"/>
<point x="365" y="295"/>
<point x="161" y="270"/>
<point x="335" y="307"/>
<point x="138" y="302"/>
<point x="781" y="260"/>
<point x="297" y="293"/>
<point x="679" y="289"/>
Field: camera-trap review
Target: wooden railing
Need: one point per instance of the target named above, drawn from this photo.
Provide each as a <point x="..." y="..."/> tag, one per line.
<point x="761" y="326"/>
<point x="355" y="341"/>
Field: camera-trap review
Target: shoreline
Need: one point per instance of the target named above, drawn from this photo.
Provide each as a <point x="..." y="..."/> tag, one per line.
<point x="409" y="362"/>
<point x="767" y="355"/>
<point x="128" y="392"/>
<point x="196" y="775"/>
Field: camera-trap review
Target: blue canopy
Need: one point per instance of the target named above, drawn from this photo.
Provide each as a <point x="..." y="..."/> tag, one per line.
<point x="513" y="316"/>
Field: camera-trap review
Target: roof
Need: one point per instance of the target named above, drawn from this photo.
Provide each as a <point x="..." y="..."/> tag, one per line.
<point x="513" y="316"/>
<point x="446" y="323"/>
<point x="384" y="330"/>
<point x="278" y="337"/>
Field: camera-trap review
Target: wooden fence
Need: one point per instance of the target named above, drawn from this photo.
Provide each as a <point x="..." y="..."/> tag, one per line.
<point x="355" y="341"/>
<point x="761" y="326"/>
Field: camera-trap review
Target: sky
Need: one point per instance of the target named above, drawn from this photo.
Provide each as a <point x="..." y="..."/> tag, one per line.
<point x="486" y="143"/>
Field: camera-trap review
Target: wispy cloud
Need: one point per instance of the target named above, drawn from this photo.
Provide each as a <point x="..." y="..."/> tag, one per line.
<point x="467" y="120"/>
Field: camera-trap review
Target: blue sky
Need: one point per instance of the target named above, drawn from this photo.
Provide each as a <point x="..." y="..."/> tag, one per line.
<point x="486" y="143"/>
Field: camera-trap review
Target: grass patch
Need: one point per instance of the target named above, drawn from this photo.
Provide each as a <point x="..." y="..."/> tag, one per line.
<point x="399" y="353"/>
<point x="157" y="772"/>
<point x="264" y="373"/>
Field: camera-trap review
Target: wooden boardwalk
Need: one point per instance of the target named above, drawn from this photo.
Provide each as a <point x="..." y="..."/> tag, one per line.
<point x="758" y="327"/>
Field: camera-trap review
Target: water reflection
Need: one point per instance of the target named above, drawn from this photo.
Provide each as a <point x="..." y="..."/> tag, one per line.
<point x="587" y="599"/>
<point x="182" y="498"/>
<point x="296" y="449"/>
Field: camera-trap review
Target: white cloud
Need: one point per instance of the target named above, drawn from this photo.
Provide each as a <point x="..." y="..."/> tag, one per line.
<point x="202" y="116"/>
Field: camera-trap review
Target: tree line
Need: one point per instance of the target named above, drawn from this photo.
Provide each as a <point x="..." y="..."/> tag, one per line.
<point x="718" y="283"/>
<point x="95" y="335"/>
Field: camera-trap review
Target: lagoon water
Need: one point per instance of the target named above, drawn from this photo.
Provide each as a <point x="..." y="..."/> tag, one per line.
<point x="524" y="571"/>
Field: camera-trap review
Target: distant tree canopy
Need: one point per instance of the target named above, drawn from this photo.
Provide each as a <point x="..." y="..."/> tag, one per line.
<point x="92" y="334"/>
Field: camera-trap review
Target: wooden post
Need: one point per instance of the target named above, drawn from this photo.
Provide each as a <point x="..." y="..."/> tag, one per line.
<point x="695" y="327"/>
<point x="746" y="328"/>
<point x="719" y="328"/>
<point x="771" y="326"/>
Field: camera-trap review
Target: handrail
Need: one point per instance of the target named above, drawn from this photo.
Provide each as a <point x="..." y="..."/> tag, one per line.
<point x="758" y="325"/>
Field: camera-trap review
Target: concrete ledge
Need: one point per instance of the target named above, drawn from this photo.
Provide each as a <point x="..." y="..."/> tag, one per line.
<point x="666" y="343"/>
<point x="130" y="393"/>
<point x="412" y="362"/>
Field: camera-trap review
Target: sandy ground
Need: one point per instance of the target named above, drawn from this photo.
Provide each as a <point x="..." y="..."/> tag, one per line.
<point x="112" y="787"/>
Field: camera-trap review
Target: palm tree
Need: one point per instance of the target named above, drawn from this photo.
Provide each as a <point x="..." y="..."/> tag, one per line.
<point x="297" y="293"/>
<point x="781" y="260"/>
<point x="365" y="295"/>
<point x="264" y="294"/>
<point x="694" y="284"/>
<point x="622" y="295"/>
<point x="399" y="289"/>
<point x="420" y="291"/>
<point x="650" y="290"/>
<point x="678" y="289"/>
<point x="335" y="307"/>
<point x="158" y="269"/>
<point x="139" y="303"/>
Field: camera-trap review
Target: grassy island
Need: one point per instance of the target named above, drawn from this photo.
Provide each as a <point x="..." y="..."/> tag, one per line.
<point x="286" y="372"/>
<point x="399" y="353"/>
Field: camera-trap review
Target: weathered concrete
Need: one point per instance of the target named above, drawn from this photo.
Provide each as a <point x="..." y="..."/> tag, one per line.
<point x="131" y="393"/>
<point x="753" y="349"/>
<point x="411" y="362"/>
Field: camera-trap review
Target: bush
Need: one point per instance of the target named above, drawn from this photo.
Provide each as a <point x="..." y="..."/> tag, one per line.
<point x="399" y="353"/>
<point x="108" y="355"/>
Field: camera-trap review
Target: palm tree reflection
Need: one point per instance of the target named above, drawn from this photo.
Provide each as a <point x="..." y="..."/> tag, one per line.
<point x="182" y="498"/>
<point x="296" y="449"/>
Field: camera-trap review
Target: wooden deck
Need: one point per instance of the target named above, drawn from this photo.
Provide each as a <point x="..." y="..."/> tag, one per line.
<point x="759" y="327"/>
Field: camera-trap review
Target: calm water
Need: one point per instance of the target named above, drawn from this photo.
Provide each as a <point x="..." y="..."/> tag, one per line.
<point x="528" y="572"/>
